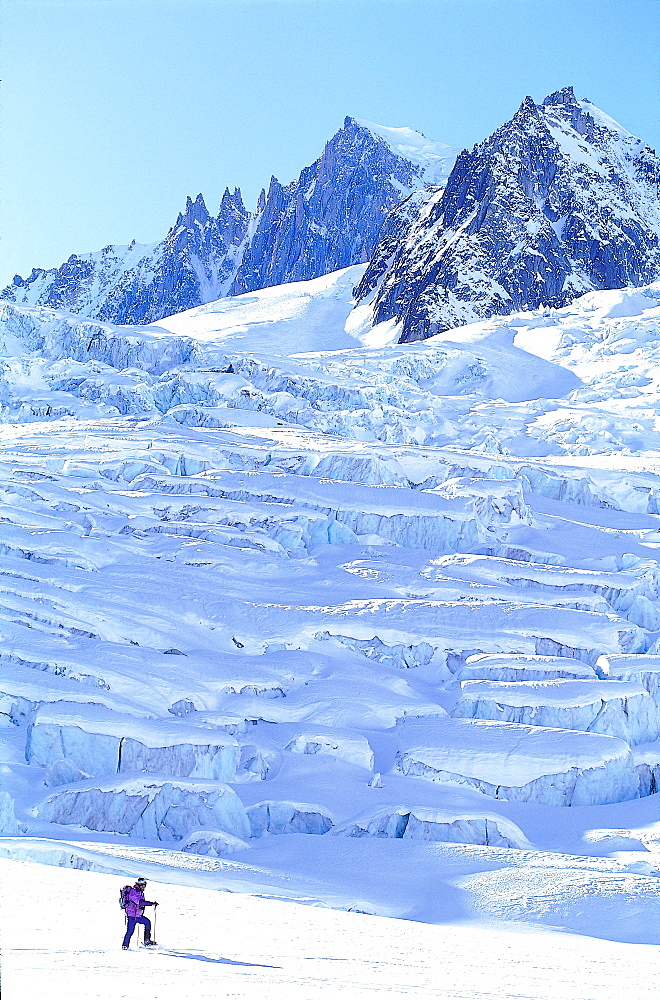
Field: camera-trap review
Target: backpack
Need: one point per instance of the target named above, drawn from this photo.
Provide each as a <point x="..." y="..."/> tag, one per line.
<point x="123" y="896"/>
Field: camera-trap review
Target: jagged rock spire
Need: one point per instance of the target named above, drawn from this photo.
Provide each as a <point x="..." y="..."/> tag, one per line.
<point x="527" y="107"/>
<point x="231" y="202"/>
<point x="563" y="96"/>
<point x="195" y="211"/>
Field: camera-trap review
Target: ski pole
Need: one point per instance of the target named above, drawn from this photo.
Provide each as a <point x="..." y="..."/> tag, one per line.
<point x="155" y="912"/>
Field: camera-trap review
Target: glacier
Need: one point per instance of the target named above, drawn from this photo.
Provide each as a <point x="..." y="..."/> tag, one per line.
<point x="613" y="709"/>
<point x="433" y="825"/>
<point x="520" y="763"/>
<point x="290" y="613"/>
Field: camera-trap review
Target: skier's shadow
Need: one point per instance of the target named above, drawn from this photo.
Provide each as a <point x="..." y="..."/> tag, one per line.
<point x="216" y="961"/>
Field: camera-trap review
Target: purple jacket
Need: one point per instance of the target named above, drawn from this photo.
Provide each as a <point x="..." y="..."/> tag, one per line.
<point x="136" y="902"/>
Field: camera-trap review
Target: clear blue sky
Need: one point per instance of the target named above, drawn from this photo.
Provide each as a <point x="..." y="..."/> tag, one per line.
<point x="115" y="110"/>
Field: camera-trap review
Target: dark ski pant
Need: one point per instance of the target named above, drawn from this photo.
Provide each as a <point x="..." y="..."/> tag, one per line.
<point x="130" y="927"/>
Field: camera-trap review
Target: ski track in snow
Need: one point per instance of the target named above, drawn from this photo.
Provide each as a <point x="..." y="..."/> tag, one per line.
<point x="372" y="629"/>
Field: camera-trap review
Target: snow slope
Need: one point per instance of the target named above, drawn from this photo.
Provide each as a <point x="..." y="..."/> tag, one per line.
<point x="285" y="319"/>
<point x="340" y="626"/>
<point x="209" y="948"/>
<point x="436" y="159"/>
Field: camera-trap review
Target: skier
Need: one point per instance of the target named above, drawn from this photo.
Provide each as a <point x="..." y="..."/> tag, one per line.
<point x="134" y="914"/>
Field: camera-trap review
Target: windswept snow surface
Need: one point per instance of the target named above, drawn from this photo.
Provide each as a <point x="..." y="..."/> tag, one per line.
<point x="285" y="319"/>
<point x="371" y="628"/>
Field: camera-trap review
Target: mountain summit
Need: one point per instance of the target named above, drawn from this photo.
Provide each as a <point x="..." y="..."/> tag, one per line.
<point x="332" y="215"/>
<point x="329" y="218"/>
<point x="558" y="201"/>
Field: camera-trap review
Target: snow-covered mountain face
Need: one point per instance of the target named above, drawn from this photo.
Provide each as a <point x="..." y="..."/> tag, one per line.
<point x="196" y="262"/>
<point x="558" y="201"/>
<point x="328" y="219"/>
<point x="332" y="215"/>
<point x="315" y="611"/>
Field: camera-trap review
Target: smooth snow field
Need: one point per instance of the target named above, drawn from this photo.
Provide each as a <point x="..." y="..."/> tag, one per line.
<point x="62" y="941"/>
<point x="352" y="650"/>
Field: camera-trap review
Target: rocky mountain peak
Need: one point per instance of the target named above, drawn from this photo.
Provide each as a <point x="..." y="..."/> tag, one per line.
<point x="328" y="218"/>
<point x="564" y="96"/>
<point x="527" y="108"/>
<point x="557" y="202"/>
<point x="194" y="212"/>
<point x="331" y="216"/>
